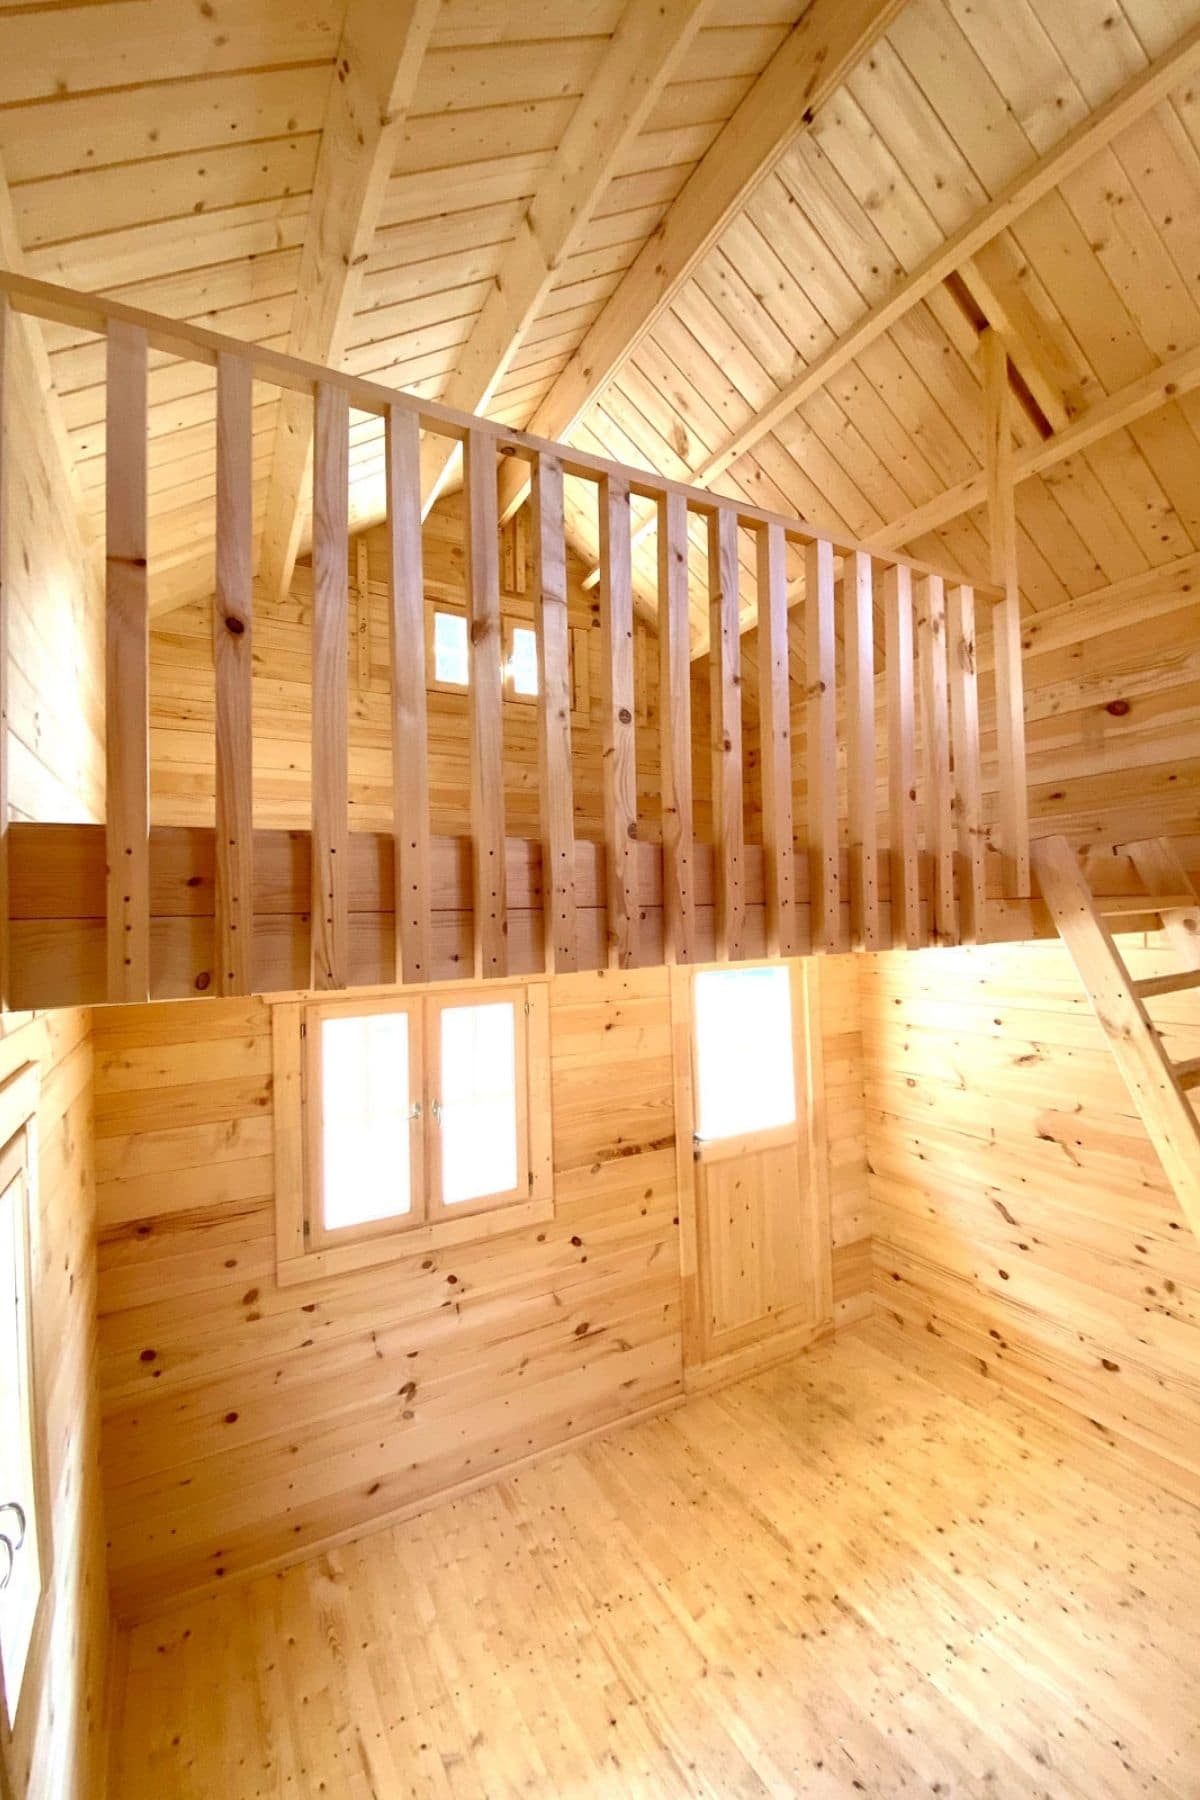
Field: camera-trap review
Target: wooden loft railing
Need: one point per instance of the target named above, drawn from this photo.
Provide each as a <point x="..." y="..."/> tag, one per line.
<point x="930" y="749"/>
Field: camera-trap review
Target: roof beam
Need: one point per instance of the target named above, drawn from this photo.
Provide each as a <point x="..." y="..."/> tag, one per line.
<point x="813" y="61"/>
<point x="642" y="57"/>
<point x="375" y="75"/>
<point x="1179" y="376"/>
<point x="1082" y="142"/>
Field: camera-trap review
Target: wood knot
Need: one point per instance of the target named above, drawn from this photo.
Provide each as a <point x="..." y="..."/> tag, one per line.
<point x="234" y="626"/>
<point x="625" y="716"/>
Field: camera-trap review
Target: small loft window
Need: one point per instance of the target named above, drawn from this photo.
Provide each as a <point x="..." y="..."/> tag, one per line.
<point x="522" y="667"/>
<point x="745" y="1071"/>
<point x="414" y="1114"/>
<point x="451" y="663"/>
<point x="24" y="1544"/>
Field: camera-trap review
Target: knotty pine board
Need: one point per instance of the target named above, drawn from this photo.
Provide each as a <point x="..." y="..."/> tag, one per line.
<point x="244" y="1423"/>
<point x="1017" y="1207"/>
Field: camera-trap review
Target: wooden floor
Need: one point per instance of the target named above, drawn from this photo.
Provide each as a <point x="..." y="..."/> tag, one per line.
<point x="861" y="1573"/>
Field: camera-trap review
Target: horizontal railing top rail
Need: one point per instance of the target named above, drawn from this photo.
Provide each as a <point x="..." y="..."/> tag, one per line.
<point x="195" y="343"/>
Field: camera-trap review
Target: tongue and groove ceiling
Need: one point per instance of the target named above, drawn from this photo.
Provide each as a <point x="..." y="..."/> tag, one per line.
<point x="562" y="228"/>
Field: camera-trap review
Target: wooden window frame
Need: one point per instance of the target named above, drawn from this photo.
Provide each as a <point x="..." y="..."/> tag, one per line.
<point x="18" y="1133"/>
<point x="579" y="671"/>
<point x="305" y="1249"/>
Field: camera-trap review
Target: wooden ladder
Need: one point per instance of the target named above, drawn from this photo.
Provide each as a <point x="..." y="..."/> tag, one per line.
<point x="1159" y="1086"/>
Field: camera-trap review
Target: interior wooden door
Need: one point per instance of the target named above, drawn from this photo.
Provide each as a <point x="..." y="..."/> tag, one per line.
<point x="759" y="1238"/>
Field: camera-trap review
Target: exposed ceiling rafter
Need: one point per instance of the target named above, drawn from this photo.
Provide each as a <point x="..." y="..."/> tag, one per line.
<point x="375" y="76"/>
<point x="811" y="63"/>
<point x="1139" y="95"/>
<point x="642" y="57"/>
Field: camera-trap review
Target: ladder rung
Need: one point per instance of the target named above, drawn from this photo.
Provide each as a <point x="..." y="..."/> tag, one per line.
<point x="1178" y="983"/>
<point x="1187" y="1074"/>
<point x="1117" y="906"/>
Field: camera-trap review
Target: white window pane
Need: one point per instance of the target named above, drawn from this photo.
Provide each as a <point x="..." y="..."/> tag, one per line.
<point x="367" y="1173"/>
<point x="479" y="1101"/>
<point x="19" y="1599"/>
<point x="522" y="666"/>
<point x="450" y="648"/>
<point x="746" y="1080"/>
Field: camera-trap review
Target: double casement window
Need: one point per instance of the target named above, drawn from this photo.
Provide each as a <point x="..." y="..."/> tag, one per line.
<point x="419" y="1119"/>
<point x="24" y="1516"/>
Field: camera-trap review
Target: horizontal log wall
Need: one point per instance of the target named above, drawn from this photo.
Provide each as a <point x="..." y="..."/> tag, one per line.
<point x="182" y="719"/>
<point x="58" y="936"/>
<point x="245" y="1423"/>
<point x="1019" y="1210"/>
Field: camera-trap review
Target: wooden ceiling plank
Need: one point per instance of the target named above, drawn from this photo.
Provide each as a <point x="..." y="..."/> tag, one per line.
<point x="1083" y="142"/>
<point x="378" y="61"/>
<point x="643" y="55"/>
<point x="1179" y="376"/>
<point x="810" y="64"/>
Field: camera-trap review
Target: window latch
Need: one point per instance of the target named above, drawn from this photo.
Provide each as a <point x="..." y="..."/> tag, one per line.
<point x="414" y="1111"/>
<point x="6" y="1544"/>
<point x="14" y="1506"/>
<point x="435" y="1107"/>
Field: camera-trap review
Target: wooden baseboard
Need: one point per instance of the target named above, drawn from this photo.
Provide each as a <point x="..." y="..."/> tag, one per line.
<point x="753" y="1358"/>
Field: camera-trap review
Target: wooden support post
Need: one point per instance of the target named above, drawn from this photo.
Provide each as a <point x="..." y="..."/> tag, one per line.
<point x="6" y="351"/>
<point x="330" y="920"/>
<point x="127" y="674"/>
<point x="410" y="750"/>
<point x="725" y="706"/>
<point x="1013" y="805"/>
<point x="620" y="764"/>
<point x="675" y="730"/>
<point x="486" y="715"/>
<point x="964" y="728"/>
<point x="233" y="618"/>
<point x="937" y="804"/>
<point x="820" y="682"/>
<point x="904" y="865"/>
<point x="362" y="611"/>
<point x="556" y="790"/>
<point x="775" y="735"/>
<point x="859" y="638"/>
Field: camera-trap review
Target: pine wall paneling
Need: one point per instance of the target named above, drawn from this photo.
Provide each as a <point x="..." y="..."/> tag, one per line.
<point x="245" y="1422"/>
<point x="1018" y="1209"/>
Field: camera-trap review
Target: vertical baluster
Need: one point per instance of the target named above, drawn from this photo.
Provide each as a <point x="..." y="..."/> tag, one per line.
<point x="6" y="351"/>
<point x="725" y="694"/>
<point x="487" y="730"/>
<point x="821" y="724"/>
<point x="964" y="727"/>
<point x="775" y="733"/>
<point x="675" y="730"/>
<point x="904" y="866"/>
<point x="620" y="765"/>
<point x="232" y="662"/>
<point x="127" y="680"/>
<point x="935" y="736"/>
<point x="410" y="750"/>
<point x="1013" y="801"/>
<point x="330" y="920"/>
<point x="859" y="637"/>
<point x="556" y="791"/>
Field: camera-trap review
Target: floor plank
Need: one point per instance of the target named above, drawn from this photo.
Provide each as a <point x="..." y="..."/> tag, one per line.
<point x="850" y="1575"/>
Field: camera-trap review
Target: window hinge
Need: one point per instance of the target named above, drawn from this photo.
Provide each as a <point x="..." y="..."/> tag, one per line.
<point x="304" y="1028"/>
<point x="531" y="1181"/>
<point x="527" y="1009"/>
